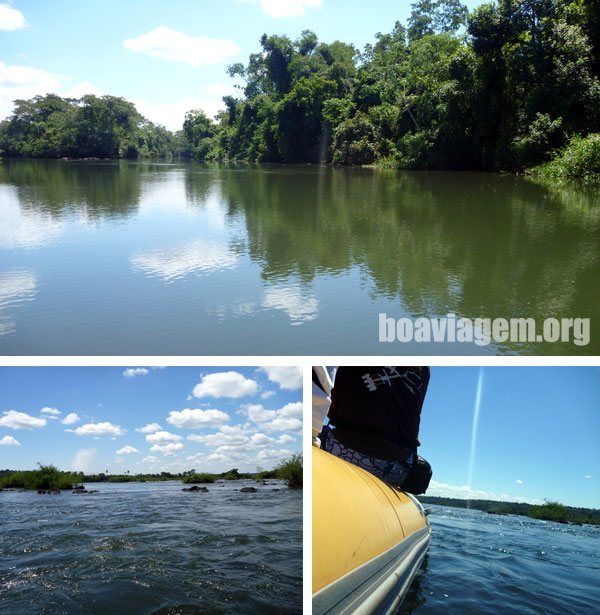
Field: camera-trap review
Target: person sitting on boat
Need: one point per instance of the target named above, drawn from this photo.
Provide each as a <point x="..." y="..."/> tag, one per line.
<point x="374" y="421"/>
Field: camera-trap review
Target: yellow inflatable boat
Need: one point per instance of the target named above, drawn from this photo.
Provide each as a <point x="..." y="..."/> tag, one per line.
<point x="369" y="539"/>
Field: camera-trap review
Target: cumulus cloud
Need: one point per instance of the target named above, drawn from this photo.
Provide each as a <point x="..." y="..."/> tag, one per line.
<point x="260" y="439"/>
<point x="127" y="450"/>
<point x="150" y="459"/>
<point x="149" y="428"/>
<point x="285" y="439"/>
<point x="283" y="424"/>
<point x="519" y="481"/>
<point x="257" y="413"/>
<point x="83" y="460"/>
<point x="20" y="420"/>
<point x="11" y="18"/>
<point x="227" y="435"/>
<point x="163" y="436"/>
<point x="167" y="449"/>
<point x="51" y="411"/>
<point x="168" y="44"/>
<point x="288" y="8"/>
<point x="225" y="384"/>
<point x="23" y="82"/>
<point x="267" y="394"/>
<point x="132" y="372"/>
<point x="100" y="429"/>
<point x="71" y="419"/>
<point x="196" y="418"/>
<point x="9" y="441"/>
<point x="287" y="377"/>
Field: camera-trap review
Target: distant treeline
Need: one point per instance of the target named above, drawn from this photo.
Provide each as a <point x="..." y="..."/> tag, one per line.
<point x="91" y="127"/>
<point x="49" y="477"/>
<point x="550" y="511"/>
<point x="513" y="85"/>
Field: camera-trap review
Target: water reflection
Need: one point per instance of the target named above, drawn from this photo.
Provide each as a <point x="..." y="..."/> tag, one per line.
<point x="315" y="244"/>
<point x="15" y="288"/>
<point x="24" y="229"/>
<point x="300" y="305"/>
<point x="202" y="256"/>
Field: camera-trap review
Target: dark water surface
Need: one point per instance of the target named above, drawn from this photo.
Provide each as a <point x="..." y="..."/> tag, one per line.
<point x="150" y="548"/>
<point x="480" y="563"/>
<point x="168" y="259"/>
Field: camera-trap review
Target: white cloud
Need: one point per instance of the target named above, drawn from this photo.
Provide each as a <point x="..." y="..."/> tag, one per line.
<point x="168" y="44"/>
<point x="163" y="436"/>
<point x="100" y="429"/>
<point x="150" y="459"/>
<point x="20" y="420"/>
<point x="11" y="18"/>
<point x="84" y="460"/>
<point x="172" y="114"/>
<point x="287" y="8"/>
<point x="196" y="418"/>
<point x="127" y="450"/>
<point x="225" y="384"/>
<point x="287" y="377"/>
<point x="271" y="454"/>
<point x="283" y="424"/>
<point x="519" y="481"/>
<point x="267" y="394"/>
<point x="81" y="89"/>
<point x="132" y="372"/>
<point x="149" y="428"/>
<point x="299" y="307"/>
<point x="175" y="263"/>
<point x="52" y="411"/>
<point x="260" y="439"/>
<point x="167" y="449"/>
<point x="9" y="441"/>
<point x="23" y="82"/>
<point x="588" y="476"/>
<point x="465" y="492"/>
<point x="71" y="419"/>
<point x="259" y="414"/>
<point x="285" y="439"/>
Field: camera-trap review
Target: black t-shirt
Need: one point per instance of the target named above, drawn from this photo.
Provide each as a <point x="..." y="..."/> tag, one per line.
<point x="377" y="410"/>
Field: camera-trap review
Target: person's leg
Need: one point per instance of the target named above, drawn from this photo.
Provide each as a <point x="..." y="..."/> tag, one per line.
<point x="393" y="472"/>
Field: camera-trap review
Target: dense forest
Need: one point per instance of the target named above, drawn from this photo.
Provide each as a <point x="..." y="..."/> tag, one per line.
<point x="512" y="85"/>
<point x="549" y="511"/>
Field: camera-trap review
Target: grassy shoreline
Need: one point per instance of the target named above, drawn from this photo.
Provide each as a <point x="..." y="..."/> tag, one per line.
<point x="550" y="511"/>
<point x="47" y="477"/>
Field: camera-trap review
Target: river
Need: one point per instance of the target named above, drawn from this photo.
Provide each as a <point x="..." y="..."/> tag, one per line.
<point x="480" y="563"/>
<point x="127" y="258"/>
<point x="151" y="548"/>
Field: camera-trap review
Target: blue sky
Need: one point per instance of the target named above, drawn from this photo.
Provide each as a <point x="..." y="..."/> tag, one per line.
<point x="166" y="57"/>
<point x="537" y="435"/>
<point x="149" y="419"/>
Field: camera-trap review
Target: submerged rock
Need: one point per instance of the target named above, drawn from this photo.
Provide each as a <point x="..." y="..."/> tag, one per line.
<point x="85" y="490"/>
<point x="248" y="489"/>
<point x="196" y="488"/>
<point x="48" y="492"/>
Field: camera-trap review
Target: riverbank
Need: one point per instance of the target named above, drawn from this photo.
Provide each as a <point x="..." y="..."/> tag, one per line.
<point x="550" y="511"/>
<point x="49" y="478"/>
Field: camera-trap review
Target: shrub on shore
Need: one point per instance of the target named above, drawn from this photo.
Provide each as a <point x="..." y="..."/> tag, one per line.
<point x="201" y="477"/>
<point x="46" y="477"/>
<point x="291" y="471"/>
<point x="580" y="159"/>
